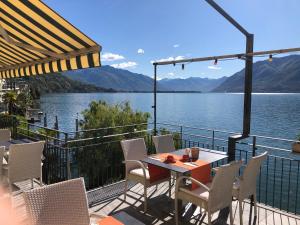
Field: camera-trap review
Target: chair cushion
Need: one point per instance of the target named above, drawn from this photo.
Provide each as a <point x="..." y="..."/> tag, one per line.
<point x="198" y="192"/>
<point x="139" y="172"/>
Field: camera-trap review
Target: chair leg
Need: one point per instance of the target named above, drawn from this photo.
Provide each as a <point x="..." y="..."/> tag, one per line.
<point x="125" y="189"/>
<point x="255" y="204"/>
<point x="170" y="186"/>
<point x="231" y="214"/>
<point x="41" y="181"/>
<point x="241" y="212"/>
<point x="145" y="199"/>
<point x="209" y="218"/>
<point x="32" y="184"/>
<point x="176" y="211"/>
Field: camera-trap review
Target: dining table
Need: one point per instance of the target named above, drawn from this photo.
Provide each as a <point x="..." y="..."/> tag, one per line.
<point x="210" y="156"/>
<point x="205" y="155"/>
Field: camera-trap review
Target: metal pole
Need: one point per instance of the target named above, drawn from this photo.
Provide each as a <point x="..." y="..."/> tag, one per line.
<point x="248" y="86"/>
<point x="154" y="95"/>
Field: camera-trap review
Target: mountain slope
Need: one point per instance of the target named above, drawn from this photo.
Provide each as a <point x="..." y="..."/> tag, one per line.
<point x="192" y="84"/>
<point x="118" y="79"/>
<point x="281" y="75"/>
<point x="56" y="83"/>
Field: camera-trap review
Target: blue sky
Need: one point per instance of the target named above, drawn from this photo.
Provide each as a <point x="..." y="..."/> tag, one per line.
<point x="135" y="32"/>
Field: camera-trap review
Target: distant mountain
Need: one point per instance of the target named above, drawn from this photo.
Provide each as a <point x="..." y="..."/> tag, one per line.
<point x="118" y="79"/>
<point x="192" y="84"/>
<point x="280" y="75"/>
<point x="56" y="83"/>
<point x="124" y="80"/>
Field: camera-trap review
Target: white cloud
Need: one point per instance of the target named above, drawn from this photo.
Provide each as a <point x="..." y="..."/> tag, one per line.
<point x="214" y="67"/>
<point x="176" y="45"/>
<point x="109" y="57"/>
<point x="124" y="65"/>
<point x="171" y="58"/>
<point x="140" y="51"/>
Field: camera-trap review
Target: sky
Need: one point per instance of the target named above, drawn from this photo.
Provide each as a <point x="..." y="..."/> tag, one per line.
<point x="134" y="33"/>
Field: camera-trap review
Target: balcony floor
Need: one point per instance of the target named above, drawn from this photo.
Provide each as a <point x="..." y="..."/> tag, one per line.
<point x="110" y="200"/>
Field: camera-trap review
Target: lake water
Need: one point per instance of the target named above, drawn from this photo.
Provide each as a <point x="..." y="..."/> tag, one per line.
<point x="275" y="115"/>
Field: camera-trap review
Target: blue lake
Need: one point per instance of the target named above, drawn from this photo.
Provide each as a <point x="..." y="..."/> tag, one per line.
<point x="275" y="115"/>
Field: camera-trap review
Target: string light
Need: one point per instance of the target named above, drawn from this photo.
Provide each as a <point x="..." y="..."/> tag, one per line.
<point x="216" y="62"/>
<point x="270" y="58"/>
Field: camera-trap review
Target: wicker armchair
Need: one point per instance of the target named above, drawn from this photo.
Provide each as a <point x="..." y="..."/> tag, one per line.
<point x="164" y="143"/>
<point x="134" y="150"/>
<point x="24" y="162"/>
<point x="4" y="135"/>
<point x="245" y="186"/>
<point x="213" y="196"/>
<point x="62" y="203"/>
<point x="2" y="150"/>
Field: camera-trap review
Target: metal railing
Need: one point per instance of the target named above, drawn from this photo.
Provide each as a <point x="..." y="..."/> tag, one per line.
<point x="97" y="155"/>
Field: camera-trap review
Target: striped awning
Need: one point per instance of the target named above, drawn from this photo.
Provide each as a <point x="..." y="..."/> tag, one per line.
<point x="36" y="40"/>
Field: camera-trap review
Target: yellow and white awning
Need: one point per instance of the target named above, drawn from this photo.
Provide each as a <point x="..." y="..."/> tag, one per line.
<point x="36" y="40"/>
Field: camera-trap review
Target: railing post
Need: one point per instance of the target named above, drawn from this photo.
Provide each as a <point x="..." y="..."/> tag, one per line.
<point x="181" y="138"/>
<point x="68" y="158"/>
<point x="232" y="146"/>
<point x="254" y="146"/>
<point x="213" y="140"/>
<point x="28" y="127"/>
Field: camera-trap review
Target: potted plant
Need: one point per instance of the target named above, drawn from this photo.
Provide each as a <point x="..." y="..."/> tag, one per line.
<point x="296" y="145"/>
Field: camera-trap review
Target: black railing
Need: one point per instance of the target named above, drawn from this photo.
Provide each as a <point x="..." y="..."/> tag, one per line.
<point x="97" y="155"/>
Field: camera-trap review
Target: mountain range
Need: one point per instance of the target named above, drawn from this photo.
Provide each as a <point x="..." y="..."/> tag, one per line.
<point x="124" y="80"/>
<point x="280" y="75"/>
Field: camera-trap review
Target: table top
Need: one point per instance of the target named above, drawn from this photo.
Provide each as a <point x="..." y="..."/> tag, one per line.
<point x="207" y="155"/>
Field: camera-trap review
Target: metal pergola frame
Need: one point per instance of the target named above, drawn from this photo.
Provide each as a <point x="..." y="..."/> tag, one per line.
<point x="247" y="57"/>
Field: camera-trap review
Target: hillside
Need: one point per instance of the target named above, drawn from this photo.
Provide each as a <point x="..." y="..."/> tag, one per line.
<point x="56" y="83"/>
<point x="280" y="75"/>
<point x="118" y="79"/>
<point x="192" y="84"/>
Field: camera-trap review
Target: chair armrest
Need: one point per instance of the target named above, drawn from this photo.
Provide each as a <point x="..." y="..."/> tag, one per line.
<point x="191" y="179"/>
<point x="138" y="163"/>
<point x="92" y="214"/>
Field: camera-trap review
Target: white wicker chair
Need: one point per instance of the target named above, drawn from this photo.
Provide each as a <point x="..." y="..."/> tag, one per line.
<point x="62" y="203"/>
<point x="24" y="162"/>
<point x="164" y="143"/>
<point x="213" y="196"/>
<point x="134" y="150"/>
<point x="4" y="135"/>
<point x="2" y="150"/>
<point x="245" y="186"/>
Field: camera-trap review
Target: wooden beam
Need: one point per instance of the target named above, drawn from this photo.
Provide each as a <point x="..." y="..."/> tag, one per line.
<point x="231" y="56"/>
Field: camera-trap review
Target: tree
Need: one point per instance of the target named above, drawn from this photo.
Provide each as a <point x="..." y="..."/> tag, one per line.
<point x="10" y="99"/>
<point x="100" y="159"/>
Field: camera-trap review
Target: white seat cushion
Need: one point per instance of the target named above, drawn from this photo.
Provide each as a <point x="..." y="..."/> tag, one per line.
<point x="199" y="192"/>
<point x="139" y="172"/>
